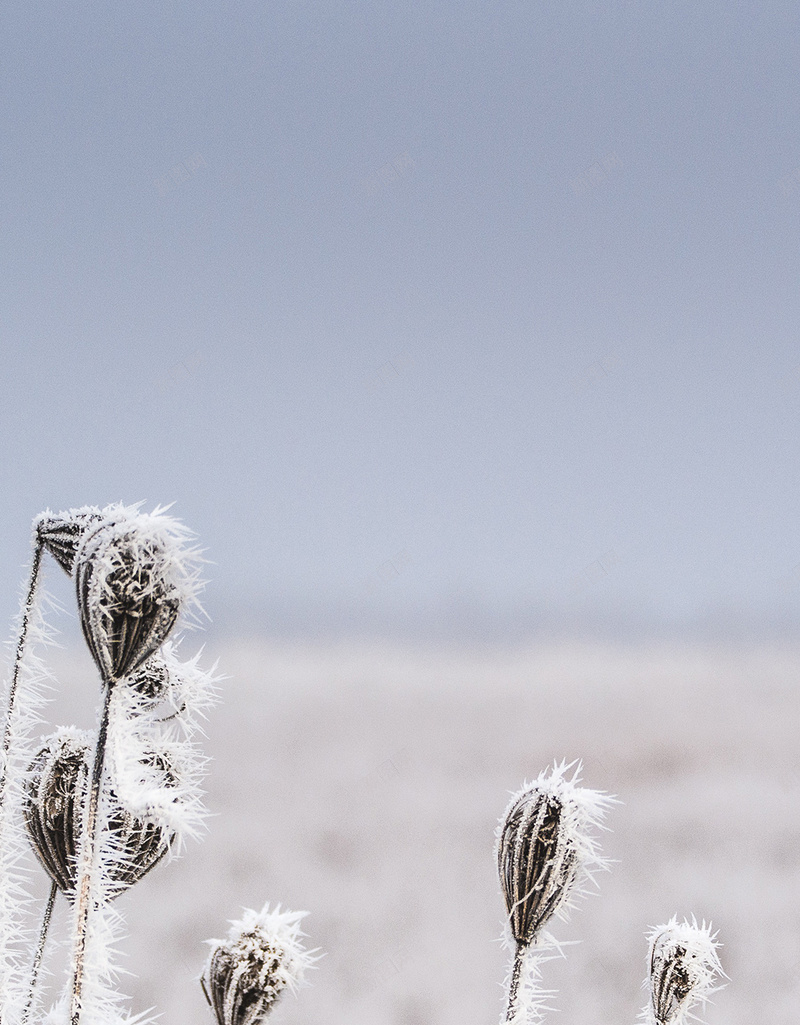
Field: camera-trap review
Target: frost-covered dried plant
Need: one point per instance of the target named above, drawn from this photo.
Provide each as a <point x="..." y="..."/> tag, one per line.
<point x="547" y="854"/>
<point x="684" y="970"/>
<point x="260" y="958"/>
<point x="101" y="809"/>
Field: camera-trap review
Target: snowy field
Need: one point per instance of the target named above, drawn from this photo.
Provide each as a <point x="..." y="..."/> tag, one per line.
<point x="364" y="783"/>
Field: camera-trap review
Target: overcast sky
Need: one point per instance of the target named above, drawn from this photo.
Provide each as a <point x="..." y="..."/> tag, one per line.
<point x="441" y="318"/>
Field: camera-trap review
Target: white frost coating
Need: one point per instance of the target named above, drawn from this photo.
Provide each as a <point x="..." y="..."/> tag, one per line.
<point x="156" y="771"/>
<point x="149" y="536"/>
<point x="102" y="1001"/>
<point x="684" y="969"/>
<point x="16" y="929"/>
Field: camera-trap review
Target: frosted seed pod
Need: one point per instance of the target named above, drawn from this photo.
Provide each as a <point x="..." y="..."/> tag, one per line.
<point x="132" y="575"/>
<point x="545" y="850"/>
<point x="247" y="972"/>
<point x="684" y="966"/>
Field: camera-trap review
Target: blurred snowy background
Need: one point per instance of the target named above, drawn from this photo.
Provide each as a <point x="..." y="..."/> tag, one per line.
<point x="465" y="337"/>
<point x="363" y="782"/>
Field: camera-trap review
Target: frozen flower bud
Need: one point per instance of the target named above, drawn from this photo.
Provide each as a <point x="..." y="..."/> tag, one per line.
<point x="56" y="788"/>
<point x="684" y="966"/>
<point x="132" y="576"/>
<point x="545" y="851"/>
<point x="248" y="971"/>
<point x="151" y="682"/>
<point x="61" y="534"/>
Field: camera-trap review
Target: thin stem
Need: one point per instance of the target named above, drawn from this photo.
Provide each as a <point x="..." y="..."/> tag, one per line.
<point x="513" y="989"/>
<point x="87" y="864"/>
<point x="37" y="960"/>
<point x="27" y="611"/>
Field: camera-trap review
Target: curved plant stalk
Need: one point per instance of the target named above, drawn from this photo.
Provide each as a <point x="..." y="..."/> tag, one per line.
<point x="28" y="607"/>
<point x="37" y="958"/>
<point x="88" y="860"/>
<point x="526" y="997"/>
<point x="24" y="700"/>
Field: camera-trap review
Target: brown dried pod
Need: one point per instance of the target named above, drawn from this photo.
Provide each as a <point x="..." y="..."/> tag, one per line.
<point x="247" y="972"/>
<point x="56" y="788"/>
<point x="536" y="863"/>
<point x="684" y="967"/>
<point x="61" y="534"/>
<point x="128" y="577"/>
<point x="545" y="849"/>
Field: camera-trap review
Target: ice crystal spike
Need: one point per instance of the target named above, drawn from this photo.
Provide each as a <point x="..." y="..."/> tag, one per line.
<point x="248" y="971"/>
<point x="684" y="966"/>
<point x="55" y="792"/>
<point x="61" y="534"/>
<point x="132" y="575"/>
<point x="544" y="850"/>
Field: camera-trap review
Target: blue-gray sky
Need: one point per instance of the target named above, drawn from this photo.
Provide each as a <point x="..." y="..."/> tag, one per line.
<point x="440" y="317"/>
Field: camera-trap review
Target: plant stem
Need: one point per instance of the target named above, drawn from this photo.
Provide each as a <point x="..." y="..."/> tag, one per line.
<point x="513" y="989"/>
<point x="37" y="960"/>
<point x="87" y="862"/>
<point x="27" y="610"/>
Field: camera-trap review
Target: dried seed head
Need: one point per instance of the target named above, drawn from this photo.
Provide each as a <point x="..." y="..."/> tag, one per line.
<point x="56" y="788"/>
<point x="248" y="971"/>
<point x="52" y="815"/>
<point x="545" y="852"/>
<point x="132" y="573"/>
<point x="684" y="966"/>
<point x="61" y="534"/>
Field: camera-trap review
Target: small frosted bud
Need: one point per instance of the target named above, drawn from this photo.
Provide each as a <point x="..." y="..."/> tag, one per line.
<point x="61" y="534"/>
<point x="247" y="972"/>
<point x="55" y="791"/>
<point x="684" y="966"/>
<point x="151" y="682"/>
<point x="545" y="851"/>
<point x="132" y="575"/>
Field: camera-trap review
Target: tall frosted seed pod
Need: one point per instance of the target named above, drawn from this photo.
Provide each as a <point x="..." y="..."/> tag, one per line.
<point x="61" y="533"/>
<point x="684" y="968"/>
<point x="546" y="857"/>
<point x="133" y="575"/>
<point x="260" y="958"/>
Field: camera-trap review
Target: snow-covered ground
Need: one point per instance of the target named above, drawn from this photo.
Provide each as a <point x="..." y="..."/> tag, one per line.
<point x="363" y="782"/>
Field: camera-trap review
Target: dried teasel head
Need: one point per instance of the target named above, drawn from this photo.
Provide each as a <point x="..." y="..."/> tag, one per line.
<point x="55" y="791"/>
<point x="61" y="533"/>
<point x="546" y="852"/>
<point x="684" y="968"/>
<point x="133" y="573"/>
<point x="247" y="972"/>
